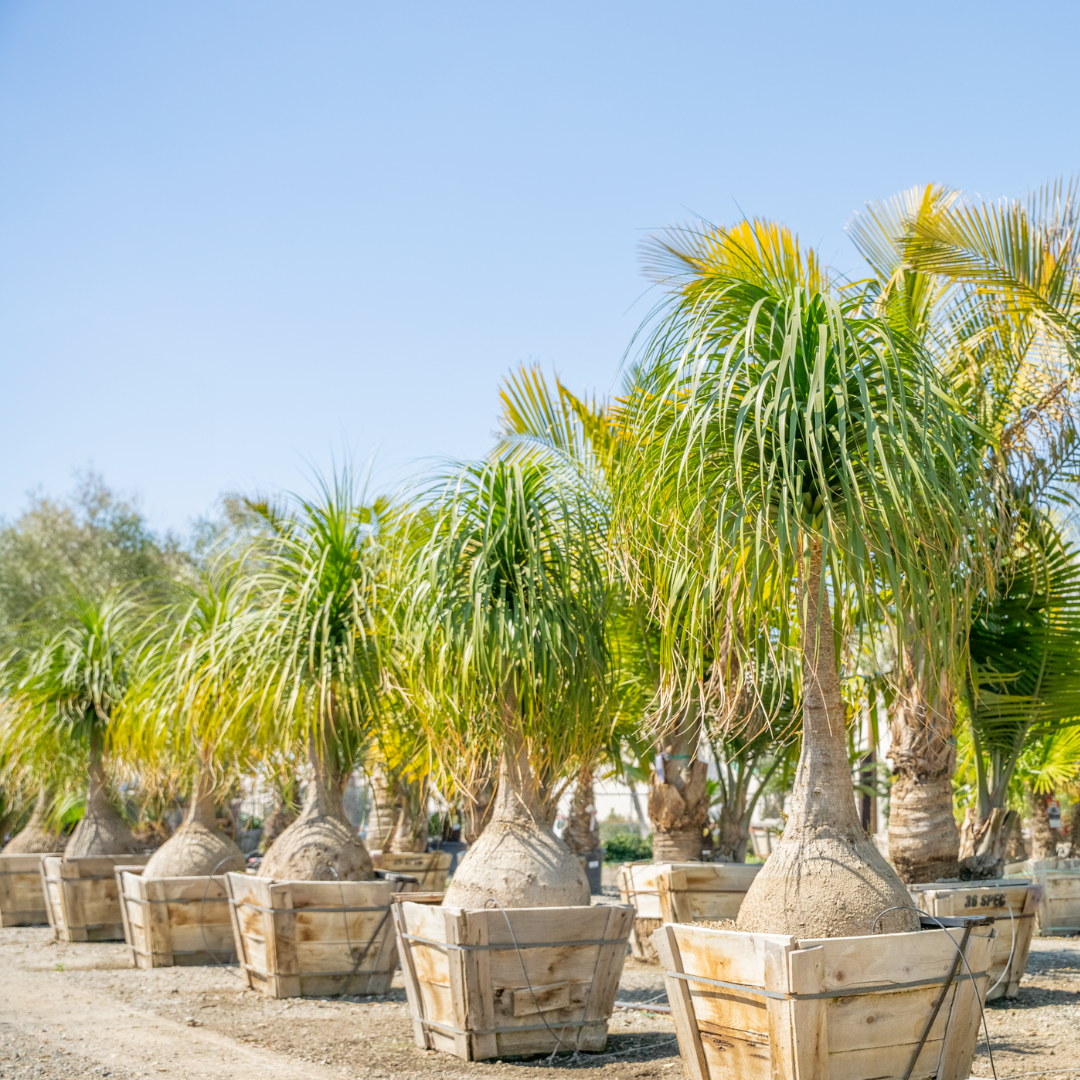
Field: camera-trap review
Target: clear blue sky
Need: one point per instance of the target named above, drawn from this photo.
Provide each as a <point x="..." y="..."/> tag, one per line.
<point x="239" y="237"/>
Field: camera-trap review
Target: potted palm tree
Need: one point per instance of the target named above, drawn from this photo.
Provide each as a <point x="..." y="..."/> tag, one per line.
<point x="313" y="655"/>
<point x="188" y="705"/>
<point x="71" y="683"/>
<point x="504" y="599"/>
<point x="793" y="450"/>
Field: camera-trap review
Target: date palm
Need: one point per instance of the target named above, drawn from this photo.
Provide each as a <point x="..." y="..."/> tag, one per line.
<point x="792" y="450"/>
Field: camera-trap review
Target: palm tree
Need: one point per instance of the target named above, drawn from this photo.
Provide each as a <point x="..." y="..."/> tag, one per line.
<point x="585" y="438"/>
<point x="69" y="685"/>
<point x="792" y="450"/>
<point x="991" y="292"/>
<point x="1023" y="686"/>
<point x="503" y="604"/>
<point x="315" y="657"/>
<point x="187" y="705"/>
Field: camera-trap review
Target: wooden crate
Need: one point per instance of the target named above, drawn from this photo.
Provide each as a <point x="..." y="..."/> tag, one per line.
<point x="680" y="892"/>
<point x="22" y="898"/>
<point x="474" y="993"/>
<point x="1011" y="904"/>
<point x="430" y="868"/>
<point x="1059" y="909"/>
<point x="314" y="938"/>
<point x="82" y="900"/>
<point x="175" y="921"/>
<point x="771" y="1007"/>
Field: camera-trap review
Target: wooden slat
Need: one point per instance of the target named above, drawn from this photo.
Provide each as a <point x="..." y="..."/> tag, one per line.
<point x="958" y="1046"/>
<point x="682" y="1006"/>
<point x="810" y="1035"/>
<point x="400" y="914"/>
<point x="893" y="958"/>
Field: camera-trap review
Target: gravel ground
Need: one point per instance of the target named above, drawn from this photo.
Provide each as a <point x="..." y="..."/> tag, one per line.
<point x="81" y="1011"/>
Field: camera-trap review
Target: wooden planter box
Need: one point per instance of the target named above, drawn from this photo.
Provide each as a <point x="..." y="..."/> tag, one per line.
<point x="1059" y="909"/>
<point x="82" y="900"/>
<point x="1011" y="904"/>
<point x="175" y="921"/>
<point x="469" y="984"/>
<point x="313" y="938"/>
<point x="22" y="896"/>
<point x="680" y="893"/>
<point x="430" y="868"/>
<point x="772" y="1007"/>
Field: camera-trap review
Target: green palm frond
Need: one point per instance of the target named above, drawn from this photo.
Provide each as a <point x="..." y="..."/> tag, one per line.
<point x="773" y="413"/>
<point x="504" y="590"/>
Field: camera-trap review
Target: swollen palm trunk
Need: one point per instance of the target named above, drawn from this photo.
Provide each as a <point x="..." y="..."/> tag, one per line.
<point x="36" y="837"/>
<point x="518" y="860"/>
<point x="825" y="878"/>
<point x="198" y="848"/>
<point x="320" y="845"/>
<point x="102" y="830"/>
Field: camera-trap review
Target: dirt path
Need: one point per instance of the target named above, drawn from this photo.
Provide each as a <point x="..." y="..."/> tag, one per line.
<point x="81" y="1011"/>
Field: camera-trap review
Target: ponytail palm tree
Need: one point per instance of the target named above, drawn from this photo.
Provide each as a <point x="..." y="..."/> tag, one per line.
<point x="504" y="597"/>
<point x="68" y="686"/>
<point x="315" y="659"/>
<point x="792" y="449"/>
<point x="190" y="704"/>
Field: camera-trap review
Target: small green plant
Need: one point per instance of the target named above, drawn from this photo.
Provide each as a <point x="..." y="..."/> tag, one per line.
<point x="627" y="847"/>
<point x="58" y="967"/>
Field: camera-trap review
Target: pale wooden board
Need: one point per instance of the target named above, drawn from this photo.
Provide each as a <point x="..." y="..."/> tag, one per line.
<point x="893" y="958"/>
<point x="868" y="1020"/>
<point x="297" y="949"/>
<point x="474" y="990"/>
<point x="22" y="896"/>
<point x="430" y="868"/>
<point x="725" y="955"/>
<point x="884" y="1063"/>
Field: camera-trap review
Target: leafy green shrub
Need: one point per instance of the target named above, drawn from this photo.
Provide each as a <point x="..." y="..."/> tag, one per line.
<point x="627" y="847"/>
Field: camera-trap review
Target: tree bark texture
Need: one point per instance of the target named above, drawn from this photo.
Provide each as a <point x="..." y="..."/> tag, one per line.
<point x="1074" y="830"/>
<point x="679" y="794"/>
<point x="320" y="845"/>
<point x="1015" y="851"/>
<point x="102" y="830"/>
<point x="382" y="815"/>
<point x="410" y="818"/>
<point x="825" y="878"/>
<point x="924" y="843"/>
<point x="36" y="836"/>
<point x="984" y="841"/>
<point x="1044" y="839"/>
<point x="582" y="833"/>
<point x="518" y="861"/>
<point x="198" y="848"/>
